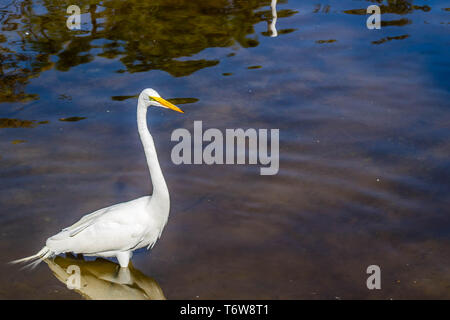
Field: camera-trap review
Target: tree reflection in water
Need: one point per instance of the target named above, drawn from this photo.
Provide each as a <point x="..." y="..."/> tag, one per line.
<point x="105" y="280"/>
<point x="142" y="35"/>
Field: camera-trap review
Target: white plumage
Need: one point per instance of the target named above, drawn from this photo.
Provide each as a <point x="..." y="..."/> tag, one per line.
<point x="118" y="230"/>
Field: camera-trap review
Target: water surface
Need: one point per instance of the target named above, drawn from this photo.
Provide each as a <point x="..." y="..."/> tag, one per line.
<point x="364" y="142"/>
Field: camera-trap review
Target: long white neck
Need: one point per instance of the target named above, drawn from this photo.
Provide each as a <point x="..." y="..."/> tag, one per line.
<point x="160" y="191"/>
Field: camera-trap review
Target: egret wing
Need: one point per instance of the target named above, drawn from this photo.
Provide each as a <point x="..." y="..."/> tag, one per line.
<point x="116" y="227"/>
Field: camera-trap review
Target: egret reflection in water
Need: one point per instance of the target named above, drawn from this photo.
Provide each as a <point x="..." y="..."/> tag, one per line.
<point x="118" y="230"/>
<point x="273" y="23"/>
<point x="102" y="279"/>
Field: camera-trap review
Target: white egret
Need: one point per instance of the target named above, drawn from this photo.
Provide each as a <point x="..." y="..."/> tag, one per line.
<point x="118" y="230"/>
<point x="105" y="280"/>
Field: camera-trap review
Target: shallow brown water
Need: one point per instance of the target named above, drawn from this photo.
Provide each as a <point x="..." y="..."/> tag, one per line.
<point x="364" y="142"/>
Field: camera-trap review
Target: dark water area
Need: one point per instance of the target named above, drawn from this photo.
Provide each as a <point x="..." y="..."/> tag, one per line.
<point x="364" y="124"/>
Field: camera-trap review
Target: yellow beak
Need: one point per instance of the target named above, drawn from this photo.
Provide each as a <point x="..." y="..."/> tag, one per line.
<point x="167" y="104"/>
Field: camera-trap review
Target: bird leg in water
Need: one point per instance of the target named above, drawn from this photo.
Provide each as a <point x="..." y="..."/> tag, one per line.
<point x="124" y="258"/>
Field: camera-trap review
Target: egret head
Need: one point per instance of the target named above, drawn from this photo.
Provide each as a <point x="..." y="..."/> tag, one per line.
<point x="152" y="98"/>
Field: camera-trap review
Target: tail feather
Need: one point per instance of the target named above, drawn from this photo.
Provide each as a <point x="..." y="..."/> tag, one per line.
<point x="35" y="259"/>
